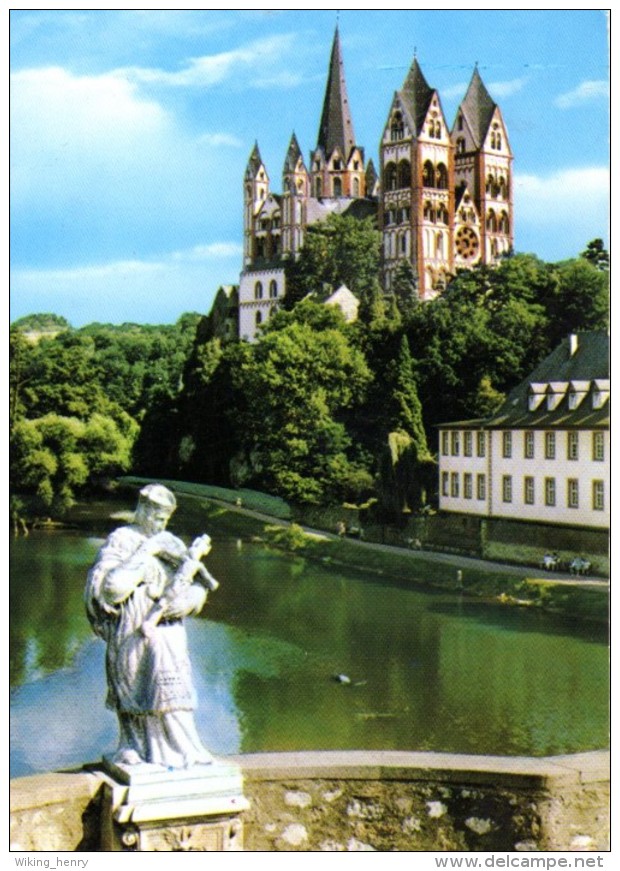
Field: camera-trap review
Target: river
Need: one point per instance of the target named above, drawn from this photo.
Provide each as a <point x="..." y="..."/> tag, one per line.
<point x="428" y="670"/>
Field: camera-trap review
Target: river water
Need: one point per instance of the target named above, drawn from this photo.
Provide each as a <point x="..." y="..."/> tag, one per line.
<point x="428" y="670"/>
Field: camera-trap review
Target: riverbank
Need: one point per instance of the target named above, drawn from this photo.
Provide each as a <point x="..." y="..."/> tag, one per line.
<point x="507" y="584"/>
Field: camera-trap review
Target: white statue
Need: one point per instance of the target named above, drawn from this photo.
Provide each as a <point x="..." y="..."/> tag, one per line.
<point x="142" y="585"/>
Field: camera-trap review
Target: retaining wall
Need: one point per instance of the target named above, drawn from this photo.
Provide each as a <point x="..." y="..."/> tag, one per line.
<point x="363" y="801"/>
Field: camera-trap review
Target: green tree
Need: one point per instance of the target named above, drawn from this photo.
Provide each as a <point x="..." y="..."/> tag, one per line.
<point x="54" y="457"/>
<point x="339" y="250"/>
<point x="596" y="254"/>
<point x="295" y="383"/>
<point x="578" y="300"/>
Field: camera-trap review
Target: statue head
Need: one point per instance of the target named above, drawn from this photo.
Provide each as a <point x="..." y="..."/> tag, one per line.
<point x="156" y="506"/>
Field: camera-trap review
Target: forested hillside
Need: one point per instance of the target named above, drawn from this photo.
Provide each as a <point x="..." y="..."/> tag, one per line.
<point x="318" y="410"/>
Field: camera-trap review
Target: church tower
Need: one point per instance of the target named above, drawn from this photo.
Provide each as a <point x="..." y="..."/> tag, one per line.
<point x="417" y="195"/>
<point x="296" y="188"/>
<point x="255" y="193"/>
<point x="337" y="163"/>
<point x="483" y="179"/>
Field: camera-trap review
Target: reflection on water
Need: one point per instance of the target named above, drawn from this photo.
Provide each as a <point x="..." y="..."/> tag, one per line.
<point x="429" y="671"/>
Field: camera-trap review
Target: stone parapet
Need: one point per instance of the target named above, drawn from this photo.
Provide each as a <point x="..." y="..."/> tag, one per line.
<point x="365" y="800"/>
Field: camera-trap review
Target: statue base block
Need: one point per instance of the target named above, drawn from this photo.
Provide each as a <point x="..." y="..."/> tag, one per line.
<point x="151" y="808"/>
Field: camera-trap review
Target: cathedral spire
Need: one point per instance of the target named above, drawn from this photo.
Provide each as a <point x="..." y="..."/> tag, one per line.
<point x="478" y="107"/>
<point x="255" y="162"/>
<point x="336" y="128"/>
<point x="292" y="155"/>
<point x="416" y="93"/>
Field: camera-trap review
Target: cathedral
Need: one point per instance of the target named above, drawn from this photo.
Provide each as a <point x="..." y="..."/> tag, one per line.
<point x="442" y="197"/>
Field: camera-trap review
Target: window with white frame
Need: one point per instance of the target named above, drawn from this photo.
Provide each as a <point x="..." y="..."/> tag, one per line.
<point x="598" y="495"/>
<point x="445" y="443"/>
<point x="598" y="446"/>
<point x="507" y="444"/>
<point x="455" y="443"/>
<point x="528" y="490"/>
<point x="528" y="445"/>
<point x="481" y="487"/>
<point x="572" y="493"/>
<point x="454" y="485"/>
<point x="467" y="443"/>
<point x="444" y="484"/>
<point x="550" y="446"/>
<point x="467" y="485"/>
<point x="507" y="488"/>
<point x="481" y="444"/>
<point x="572" y="446"/>
<point x="550" y="492"/>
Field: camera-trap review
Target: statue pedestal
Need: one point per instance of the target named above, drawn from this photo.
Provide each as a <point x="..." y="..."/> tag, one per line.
<point x="149" y="808"/>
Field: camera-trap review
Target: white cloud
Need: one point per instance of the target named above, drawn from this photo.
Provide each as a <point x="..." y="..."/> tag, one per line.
<point x="154" y="290"/>
<point x="220" y="139"/>
<point x="501" y="90"/>
<point x="96" y="165"/>
<point x="584" y="93"/>
<point x="209" y="70"/>
<point x="561" y="212"/>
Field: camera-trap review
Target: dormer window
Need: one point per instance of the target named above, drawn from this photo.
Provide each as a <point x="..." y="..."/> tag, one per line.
<point x="600" y="393"/>
<point x="337" y="164"/>
<point x="536" y="396"/>
<point x="556" y="392"/>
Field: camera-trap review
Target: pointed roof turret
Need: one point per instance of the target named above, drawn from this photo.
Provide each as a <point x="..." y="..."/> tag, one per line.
<point x="371" y="177"/>
<point x="292" y="155"/>
<point x="478" y="108"/>
<point x="255" y="162"/>
<point x="416" y="94"/>
<point x="336" y="128"/>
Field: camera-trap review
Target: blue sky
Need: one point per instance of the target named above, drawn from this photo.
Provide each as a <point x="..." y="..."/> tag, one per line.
<point x="130" y="132"/>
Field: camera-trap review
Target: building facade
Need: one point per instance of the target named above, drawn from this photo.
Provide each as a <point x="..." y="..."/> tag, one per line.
<point x="544" y="456"/>
<point x="442" y="197"/>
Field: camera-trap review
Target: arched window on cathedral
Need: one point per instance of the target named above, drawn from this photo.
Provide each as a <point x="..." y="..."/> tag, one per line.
<point x="397" y="127"/>
<point x="439" y="245"/>
<point x="337" y="184"/>
<point x="403" y="243"/>
<point x="504" y="223"/>
<point x="258" y="318"/>
<point x="503" y="188"/>
<point x="437" y="133"/>
<point x="318" y="188"/>
<point x="460" y="122"/>
<point x="491" y="221"/>
<point x="494" y="248"/>
<point x="356" y="187"/>
<point x="390" y="175"/>
<point x="404" y="174"/>
<point x="273" y="288"/>
<point x="460" y="145"/>
<point x="428" y="175"/>
<point x="442" y="214"/>
<point x="442" y="177"/>
<point x="429" y="211"/>
<point x="258" y="290"/>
